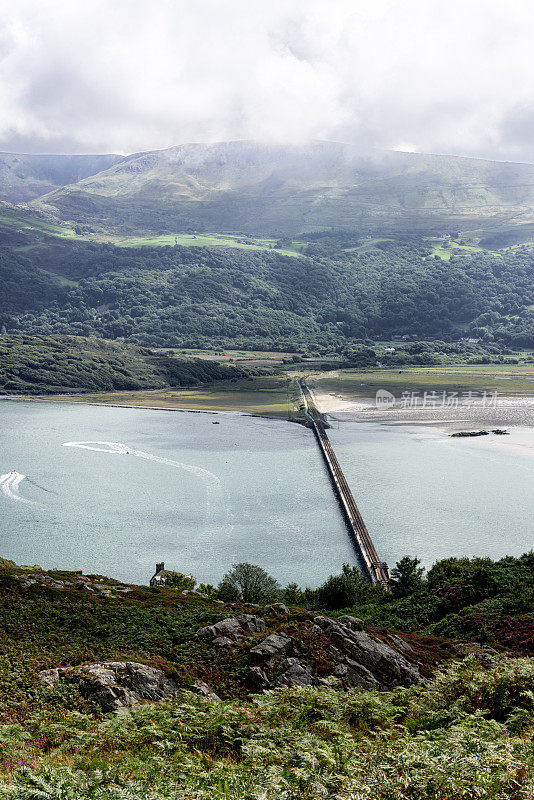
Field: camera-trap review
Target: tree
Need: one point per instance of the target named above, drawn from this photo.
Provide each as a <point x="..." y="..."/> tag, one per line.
<point x="209" y="589"/>
<point x="293" y="595"/>
<point x="337" y="591"/>
<point x="176" y="580"/>
<point x="344" y="590"/>
<point x="248" y="583"/>
<point x="406" y="577"/>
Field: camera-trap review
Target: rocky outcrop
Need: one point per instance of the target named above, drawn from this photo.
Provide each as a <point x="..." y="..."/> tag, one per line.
<point x="257" y="679"/>
<point x="201" y="688"/>
<point x="97" y="586"/>
<point x="370" y="662"/>
<point x="232" y="629"/>
<point x="293" y="672"/>
<point x="275" y="645"/>
<point x="116" y="684"/>
<point x="463" y="434"/>
<point x="277" y="610"/>
<point x="357" y="659"/>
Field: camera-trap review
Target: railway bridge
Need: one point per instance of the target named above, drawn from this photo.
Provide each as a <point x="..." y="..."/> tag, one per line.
<point x="377" y="570"/>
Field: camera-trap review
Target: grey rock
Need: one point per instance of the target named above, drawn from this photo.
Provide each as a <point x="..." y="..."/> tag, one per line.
<point x="276" y="644"/>
<point x="221" y="641"/>
<point x="233" y="628"/>
<point x="277" y="609"/>
<point x="322" y="623"/>
<point x="251" y="623"/>
<point x="294" y="673"/>
<point x="356" y="675"/>
<point x="400" y="643"/>
<point x="147" y="682"/>
<point x="257" y="680"/>
<point x="46" y="580"/>
<point x="487" y="658"/>
<point x="201" y="688"/>
<point x="49" y="676"/>
<point x="353" y="623"/>
<point x="27" y="582"/>
<point x="369" y="656"/>
<point x="388" y="667"/>
<point x="116" y="684"/>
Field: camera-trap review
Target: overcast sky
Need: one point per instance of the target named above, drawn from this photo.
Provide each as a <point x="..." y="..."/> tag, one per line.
<point x="122" y="76"/>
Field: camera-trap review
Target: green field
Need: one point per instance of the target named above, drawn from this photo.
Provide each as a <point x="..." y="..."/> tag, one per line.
<point x="27" y="224"/>
<point x="505" y="379"/>
<point x="200" y="240"/>
<point x="42" y="230"/>
<point x="445" y="249"/>
<point x="274" y="396"/>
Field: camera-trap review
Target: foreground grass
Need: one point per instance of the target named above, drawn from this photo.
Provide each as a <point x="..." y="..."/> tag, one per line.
<point x="465" y="732"/>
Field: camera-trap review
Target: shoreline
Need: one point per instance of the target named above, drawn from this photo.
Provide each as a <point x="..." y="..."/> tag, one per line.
<point x="353" y="409"/>
<point x="56" y="399"/>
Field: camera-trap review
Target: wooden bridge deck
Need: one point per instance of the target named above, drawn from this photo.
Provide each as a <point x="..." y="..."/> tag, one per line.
<point x="377" y="570"/>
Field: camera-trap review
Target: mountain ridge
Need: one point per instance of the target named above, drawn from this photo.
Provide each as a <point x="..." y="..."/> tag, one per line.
<point x="255" y="188"/>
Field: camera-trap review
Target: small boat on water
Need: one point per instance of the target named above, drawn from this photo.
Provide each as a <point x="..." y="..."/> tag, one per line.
<point x="215" y="423"/>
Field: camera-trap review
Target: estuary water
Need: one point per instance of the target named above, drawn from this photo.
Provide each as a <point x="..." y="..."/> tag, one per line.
<point x="113" y="490"/>
<point x="425" y="494"/>
<point x="135" y="486"/>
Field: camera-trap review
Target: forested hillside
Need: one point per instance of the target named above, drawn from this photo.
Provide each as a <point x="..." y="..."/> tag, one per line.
<point x="338" y="291"/>
<point x="70" y="363"/>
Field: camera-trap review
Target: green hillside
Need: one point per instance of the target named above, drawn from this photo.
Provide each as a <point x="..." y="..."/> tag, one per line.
<point x="42" y="364"/>
<point x="464" y="731"/>
<point x="26" y="228"/>
<point x="261" y="189"/>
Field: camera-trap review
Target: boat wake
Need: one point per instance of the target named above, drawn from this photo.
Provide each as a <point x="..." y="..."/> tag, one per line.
<point x="214" y="494"/>
<point x="9" y="485"/>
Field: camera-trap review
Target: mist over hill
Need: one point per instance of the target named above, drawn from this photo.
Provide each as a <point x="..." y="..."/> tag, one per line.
<point x="285" y="190"/>
<point x="26" y="176"/>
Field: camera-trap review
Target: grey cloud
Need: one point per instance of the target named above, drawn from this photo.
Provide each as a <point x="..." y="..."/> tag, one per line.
<point x="129" y="76"/>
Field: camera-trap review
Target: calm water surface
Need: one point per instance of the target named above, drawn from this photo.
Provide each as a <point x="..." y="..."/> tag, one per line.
<point x="197" y="495"/>
<point x="424" y="493"/>
<point x="139" y="486"/>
